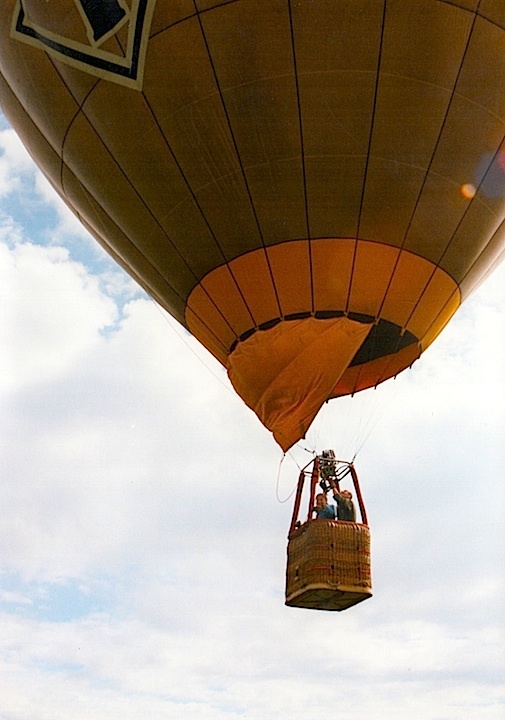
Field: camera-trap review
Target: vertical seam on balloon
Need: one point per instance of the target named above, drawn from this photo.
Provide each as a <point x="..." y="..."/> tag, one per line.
<point x="183" y="300"/>
<point x="455" y="293"/>
<point x="442" y="126"/>
<point x="183" y="176"/>
<point x="302" y="155"/>
<point x="197" y="204"/>
<point x="76" y="114"/>
<point x="370" y="138"/>
<point x="390" y="281"/>
<point x="244" y="174"/>
<point x="449" y="104"/>
<point x="477" y="12"/>
<point x="467" y="209"/>
<point x="498" y="231"/>
<point x="196" y="15"/>
<point x="219" y="341"/>
<point x="116" y="256"/>
<point x="82" y="111"/>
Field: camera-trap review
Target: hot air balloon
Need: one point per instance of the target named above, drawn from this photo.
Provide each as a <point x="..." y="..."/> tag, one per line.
<point x="310" y="187"/>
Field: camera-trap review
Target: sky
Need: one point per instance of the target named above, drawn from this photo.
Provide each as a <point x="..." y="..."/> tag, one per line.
<point x="144" y="509"/>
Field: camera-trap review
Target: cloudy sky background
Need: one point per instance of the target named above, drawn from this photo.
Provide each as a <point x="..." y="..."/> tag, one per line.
<point x="144" y="510"/>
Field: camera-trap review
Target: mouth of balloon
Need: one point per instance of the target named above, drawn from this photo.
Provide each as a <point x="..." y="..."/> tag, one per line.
<point x="384" y="338"/>
<point x="275" y="318"/>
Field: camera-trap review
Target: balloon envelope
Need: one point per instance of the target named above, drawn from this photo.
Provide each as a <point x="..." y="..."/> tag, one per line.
<point x="312" y="188"/>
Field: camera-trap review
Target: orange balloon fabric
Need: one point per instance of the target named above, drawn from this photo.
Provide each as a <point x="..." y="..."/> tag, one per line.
<point x="285" y="374"/>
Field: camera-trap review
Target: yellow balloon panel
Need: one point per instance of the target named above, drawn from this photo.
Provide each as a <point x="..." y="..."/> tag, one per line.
<point x="409" y="278"/>
<point x="290" y="264"/>
<point x="254" y="278"/>
<point x="331" y="264"/>
<point x="373" y="267"/>
<point x="204" y="308"/>
<point x="438" y="302"/>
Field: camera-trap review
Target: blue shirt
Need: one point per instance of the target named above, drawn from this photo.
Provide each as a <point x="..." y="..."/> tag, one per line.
<point x="327" y="513"/>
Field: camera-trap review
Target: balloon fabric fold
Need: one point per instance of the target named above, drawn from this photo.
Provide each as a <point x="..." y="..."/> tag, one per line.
<point x="286" y="373"/>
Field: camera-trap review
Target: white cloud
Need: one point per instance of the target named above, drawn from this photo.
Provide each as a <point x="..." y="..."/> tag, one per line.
<point x="17" y="598"/>
<point x="14" y="162"/>
<point x="51" y="312"/>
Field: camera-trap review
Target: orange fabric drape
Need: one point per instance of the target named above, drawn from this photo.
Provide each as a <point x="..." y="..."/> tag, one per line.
<point x="284" y="373"/>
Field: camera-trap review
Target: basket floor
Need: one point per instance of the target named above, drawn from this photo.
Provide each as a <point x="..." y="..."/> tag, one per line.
<point x="324" y="598"/>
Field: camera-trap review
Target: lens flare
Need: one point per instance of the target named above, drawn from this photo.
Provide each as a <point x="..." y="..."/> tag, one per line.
<point x="468" y="191"/>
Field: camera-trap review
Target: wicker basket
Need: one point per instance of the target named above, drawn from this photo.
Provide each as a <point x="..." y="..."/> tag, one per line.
<point x="328" y="565"/>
